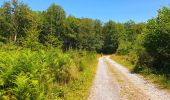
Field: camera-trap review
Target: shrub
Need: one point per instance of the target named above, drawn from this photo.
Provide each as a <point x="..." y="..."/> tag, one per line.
<point x="26" y="74"/>
<point x="157" y="41"/>
<point x="81" y="66"/>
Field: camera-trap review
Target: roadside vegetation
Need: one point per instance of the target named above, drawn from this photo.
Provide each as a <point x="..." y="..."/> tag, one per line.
<point x="42" y="74"/>
<point x="147" y="50"/>
<point x="44" y="55"/>
<point x="81" y="87"/>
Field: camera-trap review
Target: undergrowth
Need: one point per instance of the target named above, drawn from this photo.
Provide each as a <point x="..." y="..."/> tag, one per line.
<point x="161" y="80"/>
<point x="45" y="75"/>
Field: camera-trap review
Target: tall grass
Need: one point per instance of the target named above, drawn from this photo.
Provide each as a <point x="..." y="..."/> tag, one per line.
<point x="80" y="88"/>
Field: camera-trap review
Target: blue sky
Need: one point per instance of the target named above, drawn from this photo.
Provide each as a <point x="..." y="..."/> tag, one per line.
<point x="117" y="10"/>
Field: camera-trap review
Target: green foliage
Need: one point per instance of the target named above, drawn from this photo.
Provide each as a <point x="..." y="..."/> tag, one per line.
<point x="5" y="19"/>
<point x="31" y="75"/>
<point x="32" y="68"/>
<point x="52" y="27"/>
<point x="26" y="74"/>
<point x="80" y="88"/>
<point x="129" y="38"/>
<point x="32" y="37"/>
<point x="157" y="40"/>
<point x="111" y="34"/>
<point x="88" y="38"/>
<point x="70" y="37"/>
<point x="81" y="66"/>
<point x="147" y="47"/>
<point x="124" y="47"/>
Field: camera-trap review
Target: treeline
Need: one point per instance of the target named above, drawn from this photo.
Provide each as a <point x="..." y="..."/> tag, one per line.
<point x="51" y="28"/>
<point x="146" y="44"/>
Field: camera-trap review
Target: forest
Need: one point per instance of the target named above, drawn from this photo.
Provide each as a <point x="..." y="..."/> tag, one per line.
<point x="45" y="54"/>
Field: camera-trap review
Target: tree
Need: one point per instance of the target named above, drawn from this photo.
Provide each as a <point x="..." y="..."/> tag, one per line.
<point x="130" y="33"/>
<point x="15" y="18"/>
<point x="86" y="34"/>
<point x="99" y="37"/>
<point x="52" y="29"/>
<point x="5" y="19"/>
<point x="32" y="35"/>
<point x="70" y="35"/>
<point x="157" y="40"/>
<point x="111" y="34"/>
<point x="21" y="15"/>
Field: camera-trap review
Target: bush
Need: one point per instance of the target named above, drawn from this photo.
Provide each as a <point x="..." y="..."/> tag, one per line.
<point x="124" y="48"/>
<point x="29" y="74"/>
<point x="81" y="66"/>
<point x="157" y="41"/>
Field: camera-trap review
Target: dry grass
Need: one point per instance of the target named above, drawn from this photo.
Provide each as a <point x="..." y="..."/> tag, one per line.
<point x="123" y="60"/>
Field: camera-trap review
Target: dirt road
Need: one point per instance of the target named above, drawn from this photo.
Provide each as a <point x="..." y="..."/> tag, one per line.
<point x="115" y="82"/>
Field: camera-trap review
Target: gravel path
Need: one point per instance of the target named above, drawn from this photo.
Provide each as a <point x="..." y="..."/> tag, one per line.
<point x="115" y="82"/>
<point x="105" y="86"/>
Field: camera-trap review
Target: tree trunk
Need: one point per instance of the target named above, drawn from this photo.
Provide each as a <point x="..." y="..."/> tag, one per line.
<point x="15" y="37"/>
